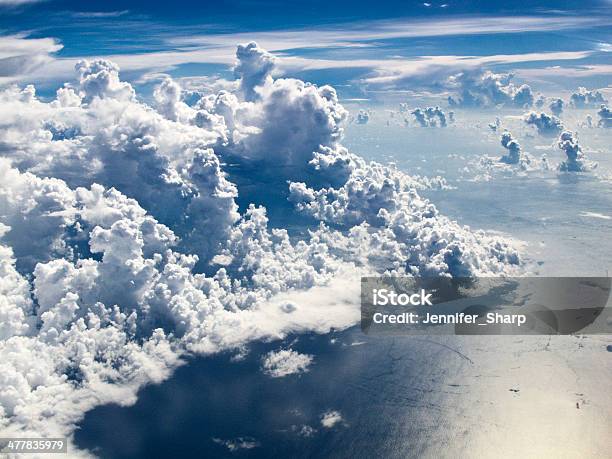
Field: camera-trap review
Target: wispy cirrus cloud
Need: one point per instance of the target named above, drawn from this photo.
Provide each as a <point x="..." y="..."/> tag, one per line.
<point x="573" y="71"/>
<point x="409" y="70"/>
<point x="382" y="72"/>
<point x="99" y="14"/>
<point x="364" y="32"/>
<point x="12" y="3"/>
<point x="183" y="46"/>
<point x="20" y="56"/>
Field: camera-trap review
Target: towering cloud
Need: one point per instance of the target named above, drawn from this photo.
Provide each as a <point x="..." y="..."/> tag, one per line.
<point x="430" y="116"/>
<point x="123" y="244"/>
<point x="169" y="103"/>
<point x="487" y="89"/>
<point x="513" y="147"/>
<point x="605" y="117"/>
<point x="556" y="106"/>
<point x="362" y="117"/>
<point x="522" y="97"/>
<point x="496" y="125"/>
<point x="575" y="162"/>
<point x="545" y="124"/>
<point x="253" y="68"/>
<point x="100" y="78"/>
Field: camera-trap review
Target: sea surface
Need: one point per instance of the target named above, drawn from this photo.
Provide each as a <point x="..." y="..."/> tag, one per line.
<point x="403" y="396"/>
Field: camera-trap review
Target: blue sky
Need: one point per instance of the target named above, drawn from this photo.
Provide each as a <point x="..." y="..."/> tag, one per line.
<point x="363" y="47"/>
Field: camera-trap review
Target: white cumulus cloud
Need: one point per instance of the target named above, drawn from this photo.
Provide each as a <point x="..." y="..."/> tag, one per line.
<point x="584" y="98"/>
<point x="477" y="88"/>
<point x="331" y="418"/>
<point x="123" y="246"/>
<point x="284" y="362"/>
<point x="547" y="125"/>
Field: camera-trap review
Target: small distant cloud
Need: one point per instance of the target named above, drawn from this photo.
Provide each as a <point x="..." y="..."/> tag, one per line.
<point x="576" y="161"/>
<point x="605" y="117"/>
<point x="427" y="5"/>
<point x="545" y="124"/>
<point x="430" y="117"/>
<point x="237" y="444"/>
<point x="363" y="117"/>
<point x="99" y="14"/>
<point x="284" y="362"/>
<point x="304" y="431"/>
<point x="331" y="418"/>
<point x="595" y="215"/>
<point x="584" y="98"/>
